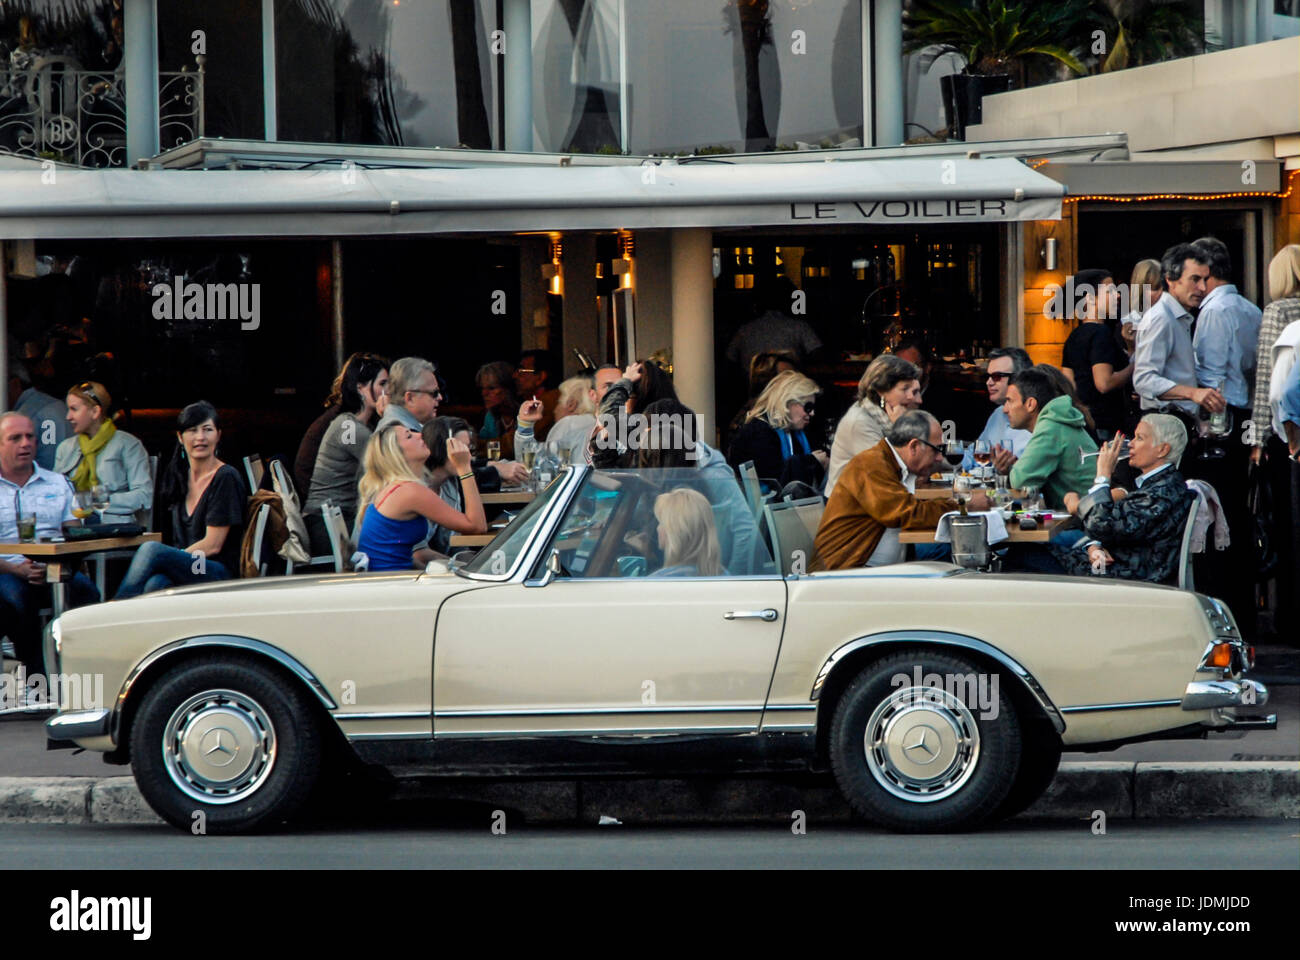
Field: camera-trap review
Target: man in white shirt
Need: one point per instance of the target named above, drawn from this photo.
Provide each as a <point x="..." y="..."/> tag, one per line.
<point x="28" y="489"/>
<point x="1227" y="332"/>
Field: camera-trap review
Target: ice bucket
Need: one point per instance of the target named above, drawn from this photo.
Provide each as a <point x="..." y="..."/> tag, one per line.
<point x="970" y="546"/>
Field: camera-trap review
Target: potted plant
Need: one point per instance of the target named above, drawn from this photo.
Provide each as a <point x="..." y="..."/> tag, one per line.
<point x="996" y="38"/>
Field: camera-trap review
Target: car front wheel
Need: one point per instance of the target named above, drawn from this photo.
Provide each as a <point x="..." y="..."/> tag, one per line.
<point x="935" y="755"/>
<point x="224" y="745"/>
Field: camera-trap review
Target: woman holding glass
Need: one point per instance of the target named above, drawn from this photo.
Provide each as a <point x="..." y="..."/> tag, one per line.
<point x="109" y="464"/>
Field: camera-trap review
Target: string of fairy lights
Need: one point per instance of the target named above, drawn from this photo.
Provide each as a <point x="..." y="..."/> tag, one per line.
<point x="1192" y="197"/>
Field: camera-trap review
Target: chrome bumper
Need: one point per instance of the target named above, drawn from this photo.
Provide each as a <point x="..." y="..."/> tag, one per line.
<point x="78" y="725"/>
<point x="1208" y="694"/>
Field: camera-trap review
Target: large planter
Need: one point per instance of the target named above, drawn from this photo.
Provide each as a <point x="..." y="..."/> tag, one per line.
<point x="963" y="96"/>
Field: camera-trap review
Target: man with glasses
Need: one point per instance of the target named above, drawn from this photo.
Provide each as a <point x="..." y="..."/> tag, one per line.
<point x="1004" y="363"/>
<point x="413" y="393"/>
<point x="533" y="379"/>
<point x="875" y="498"/>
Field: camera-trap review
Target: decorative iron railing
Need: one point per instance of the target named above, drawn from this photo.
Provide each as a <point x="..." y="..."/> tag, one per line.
<point x="55" y="110"/>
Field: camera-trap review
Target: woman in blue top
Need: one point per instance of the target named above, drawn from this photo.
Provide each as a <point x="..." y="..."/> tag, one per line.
<point x="687" y="535"/>
<point x="396" y="504"/>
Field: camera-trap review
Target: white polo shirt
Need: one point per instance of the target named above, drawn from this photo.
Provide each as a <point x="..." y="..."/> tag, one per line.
<point x="46" y="494"/>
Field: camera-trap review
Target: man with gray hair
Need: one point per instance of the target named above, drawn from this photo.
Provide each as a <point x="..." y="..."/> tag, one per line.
<point x="413" y="393"/>
<point x="875" y="498"/>
<point x="1137" y="536"/>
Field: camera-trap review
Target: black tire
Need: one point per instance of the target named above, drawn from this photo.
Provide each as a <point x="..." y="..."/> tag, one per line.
<point x="1039" y="759"/>
<point x="979" y="755"/>
<point x="219" y="706"/>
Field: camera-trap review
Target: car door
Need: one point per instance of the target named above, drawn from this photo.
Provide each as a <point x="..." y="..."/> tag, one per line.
<point x="607" y="648"/>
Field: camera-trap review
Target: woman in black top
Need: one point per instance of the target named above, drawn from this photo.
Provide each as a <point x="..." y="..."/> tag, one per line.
<point x="1094" y="362"/>
<point x="205" y="500"/>
<point x="773" y="434"/>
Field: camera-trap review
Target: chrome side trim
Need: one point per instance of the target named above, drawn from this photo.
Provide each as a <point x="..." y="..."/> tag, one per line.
<point x="390" y="736"/>
<point x="1130" y="705"/>
<point x="791" y="706"/>
<point x="219" y="640"/>
<point x="944" y="638"/>
<point x="592" y="711"/>
<point x="337" y="715"/>
<point x="593" y="732"/>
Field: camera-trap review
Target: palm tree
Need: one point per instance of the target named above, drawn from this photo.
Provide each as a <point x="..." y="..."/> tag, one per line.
<point x="994" y="36"/>
<point x="1149" y="31"/>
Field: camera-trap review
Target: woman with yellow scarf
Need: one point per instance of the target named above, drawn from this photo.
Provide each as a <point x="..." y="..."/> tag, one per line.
<point x="99" y="454"/>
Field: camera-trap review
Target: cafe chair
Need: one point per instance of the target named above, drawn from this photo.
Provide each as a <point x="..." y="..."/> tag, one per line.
<point x="255" y="471"/>
<point x="337" y="528"/>
<point x="1185" y="580"/>
<point x="753" y="489"/>
<point x="259" y="537"/>
<point x="792" y="526"/>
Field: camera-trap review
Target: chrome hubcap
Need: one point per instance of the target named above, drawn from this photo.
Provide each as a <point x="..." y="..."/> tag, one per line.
<point x="922" y="744"/>
<point x="219" y="746"/>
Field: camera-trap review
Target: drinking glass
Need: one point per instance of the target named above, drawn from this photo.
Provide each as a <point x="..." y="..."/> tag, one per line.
<point x="1220" y="424"/>
<point x="960" y="485"/>
<point x="983" y="453"/>
<point x="1001" y="489"/>
<point x="27" y="527"/>
<point x="99" y="497"/>
<point x="494" y="449"/>
<point x="1084" y="453"/>
<point x="82" y="508"/>
<point x="955" y="452"/>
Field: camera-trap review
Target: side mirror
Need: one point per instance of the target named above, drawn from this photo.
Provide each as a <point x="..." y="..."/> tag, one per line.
<point x="550" y="569"/>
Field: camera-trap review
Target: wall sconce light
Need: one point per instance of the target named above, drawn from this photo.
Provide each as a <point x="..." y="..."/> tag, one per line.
<point x="1049" y="253"/>
<point x="554" y="271"/>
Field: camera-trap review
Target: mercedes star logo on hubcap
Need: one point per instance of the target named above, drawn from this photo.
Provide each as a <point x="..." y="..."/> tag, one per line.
<point x="920" y="748"/>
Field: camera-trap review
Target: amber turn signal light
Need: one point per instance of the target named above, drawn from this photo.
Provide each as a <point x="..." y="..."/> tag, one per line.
<point x="1221" y="655"/>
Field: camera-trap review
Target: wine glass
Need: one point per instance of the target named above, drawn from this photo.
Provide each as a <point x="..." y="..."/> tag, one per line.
<point x="99" y="497"/>
<point x="82" y="504"/>
<point x="983" y="453"/>
<point x="955" y="452"/>
<point x="1085" y="453"/>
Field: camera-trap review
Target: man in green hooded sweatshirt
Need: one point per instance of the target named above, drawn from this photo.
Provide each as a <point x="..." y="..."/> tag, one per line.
<point x="1050" y="461"/>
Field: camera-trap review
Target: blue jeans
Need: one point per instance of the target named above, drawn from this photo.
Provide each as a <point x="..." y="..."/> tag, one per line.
<point x="157" y="567"/>
<point x="932" y="551"/>
<point x="21" y="601"/>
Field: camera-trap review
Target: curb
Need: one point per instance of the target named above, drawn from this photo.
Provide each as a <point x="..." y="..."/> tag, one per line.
<point x="1124" y="791"/>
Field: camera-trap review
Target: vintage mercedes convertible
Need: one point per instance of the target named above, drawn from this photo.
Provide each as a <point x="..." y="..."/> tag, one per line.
<point x="615" y="628"/>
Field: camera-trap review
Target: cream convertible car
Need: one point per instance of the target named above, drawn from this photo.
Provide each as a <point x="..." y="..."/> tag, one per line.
<point x="939" y="697"/>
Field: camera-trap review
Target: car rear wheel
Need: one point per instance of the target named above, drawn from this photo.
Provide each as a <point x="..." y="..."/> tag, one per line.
<point x="225" y="745"/>
<point x="918" y="757"/>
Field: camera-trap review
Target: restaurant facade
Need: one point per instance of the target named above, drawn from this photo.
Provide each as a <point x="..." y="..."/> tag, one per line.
<point x="630" y="180"/>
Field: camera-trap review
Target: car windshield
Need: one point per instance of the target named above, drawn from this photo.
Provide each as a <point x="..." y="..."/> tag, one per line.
<point x="499" y="556"/>
<point x="680" y="522"/>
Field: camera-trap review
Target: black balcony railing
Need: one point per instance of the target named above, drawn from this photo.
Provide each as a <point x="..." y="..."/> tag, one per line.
<point x="56" y="110"/>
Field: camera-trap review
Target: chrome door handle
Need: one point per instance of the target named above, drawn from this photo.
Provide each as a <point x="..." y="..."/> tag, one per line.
<point x="766" y="615"/>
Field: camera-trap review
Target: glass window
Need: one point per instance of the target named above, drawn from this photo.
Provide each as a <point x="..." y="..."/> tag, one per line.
<point x="576" y="104"/>
<point x="681" y="522"/>
<point x="419" y="73"/>
<point x="743" y="75"/>
<point x="232" y="74"/>
<point x="500" y="555"/>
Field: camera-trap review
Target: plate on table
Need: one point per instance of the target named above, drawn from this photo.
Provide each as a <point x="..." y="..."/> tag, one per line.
<point x="941" y="477"/>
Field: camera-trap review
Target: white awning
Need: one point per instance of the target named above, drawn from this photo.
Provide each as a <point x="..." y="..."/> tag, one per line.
<point x="349" y="201"/>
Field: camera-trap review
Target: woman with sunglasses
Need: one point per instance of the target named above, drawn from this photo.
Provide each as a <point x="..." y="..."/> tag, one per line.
<point x="773" y="434"/>
<point x="100" y="455"/>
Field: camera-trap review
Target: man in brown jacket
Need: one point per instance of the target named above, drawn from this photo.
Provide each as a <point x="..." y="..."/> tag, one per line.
<point x="875" y="497"/>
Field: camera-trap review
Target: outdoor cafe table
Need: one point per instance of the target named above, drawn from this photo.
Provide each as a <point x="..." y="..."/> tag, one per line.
<point x="1014" y="534"/>
<point x="60" y="558"/>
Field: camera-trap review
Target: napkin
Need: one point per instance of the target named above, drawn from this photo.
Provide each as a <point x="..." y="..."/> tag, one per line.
<point x="996" y="529"/>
